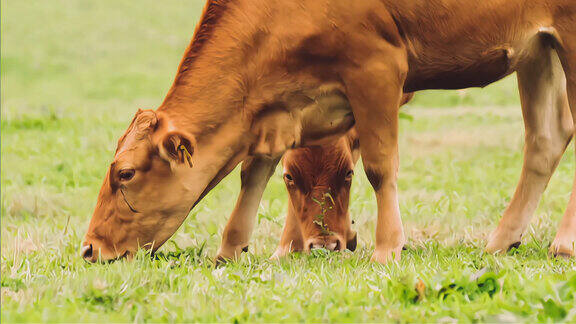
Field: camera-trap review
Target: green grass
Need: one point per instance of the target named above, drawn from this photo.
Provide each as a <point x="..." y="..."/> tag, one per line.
<point x="73" y="74"/>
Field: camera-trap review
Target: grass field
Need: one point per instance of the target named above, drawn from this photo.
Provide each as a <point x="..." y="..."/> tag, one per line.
<point x="74" y="73"/>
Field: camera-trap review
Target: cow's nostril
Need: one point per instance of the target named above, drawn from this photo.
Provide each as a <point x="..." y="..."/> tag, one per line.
<point x="334" y="246"/>
<point x="87" y="251"/>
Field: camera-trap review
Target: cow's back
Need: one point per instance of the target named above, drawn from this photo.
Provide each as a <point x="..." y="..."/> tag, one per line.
<point x="455" y="44"/>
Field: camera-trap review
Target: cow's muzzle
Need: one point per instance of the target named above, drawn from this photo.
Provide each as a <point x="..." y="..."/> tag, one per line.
<point x="93" y="253"/>
<point x="330" y="243"/>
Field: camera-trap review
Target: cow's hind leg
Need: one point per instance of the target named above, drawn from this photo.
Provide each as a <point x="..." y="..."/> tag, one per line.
<point x="565" y="242"/>
<point x="548" y="131"/>
<point x="255" y="175"/>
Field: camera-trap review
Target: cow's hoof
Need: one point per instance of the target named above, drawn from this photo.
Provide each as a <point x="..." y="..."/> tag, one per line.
<point x="499" y="248"/>
<point x="563" y="247"/>
<point x="220" y="261"/>
<point x="227" y="254"/>
<point x="502" y="242"/>
<point x="384" y="256"/>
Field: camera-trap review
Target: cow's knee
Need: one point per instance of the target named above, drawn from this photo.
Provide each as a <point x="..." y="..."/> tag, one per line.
<point x="375" y="177"/>
<point x="380" y="172"/>
<point x="544" y="152"/>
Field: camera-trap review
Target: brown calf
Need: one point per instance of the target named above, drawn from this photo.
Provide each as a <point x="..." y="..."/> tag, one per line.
<point x="318" y="179"/>
<point x="264" y="76"/>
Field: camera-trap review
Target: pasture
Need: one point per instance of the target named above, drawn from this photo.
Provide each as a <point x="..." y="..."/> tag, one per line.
<point x="73" y="75"/>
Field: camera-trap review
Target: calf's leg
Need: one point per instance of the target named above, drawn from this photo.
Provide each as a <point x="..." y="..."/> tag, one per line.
<point x="255" y="175"/>
<point x="548" y="130"/>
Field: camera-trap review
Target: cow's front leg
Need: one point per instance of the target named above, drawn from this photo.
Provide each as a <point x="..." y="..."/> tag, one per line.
<point x="291" y="239"/>
<point x="374" y="91"/>
<point x="255" y="175"/>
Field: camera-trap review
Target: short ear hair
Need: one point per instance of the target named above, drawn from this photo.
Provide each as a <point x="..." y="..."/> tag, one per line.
<point x="177" y="146"/>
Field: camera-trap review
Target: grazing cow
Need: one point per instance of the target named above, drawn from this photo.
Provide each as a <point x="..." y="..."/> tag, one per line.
<point x="264" y="76"/>
<point x="318" y="180"/>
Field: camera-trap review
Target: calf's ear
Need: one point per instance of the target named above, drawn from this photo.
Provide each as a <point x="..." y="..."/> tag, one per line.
<point x="177" y="147"/>
<point x="352" y="241"/>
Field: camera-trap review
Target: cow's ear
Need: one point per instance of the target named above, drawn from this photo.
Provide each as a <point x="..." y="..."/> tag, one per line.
<point x="145" y="121"/>
<point x="177" y="147"/>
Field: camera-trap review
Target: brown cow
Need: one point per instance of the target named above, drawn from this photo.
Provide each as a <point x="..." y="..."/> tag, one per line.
<point x="318" y="180"/>
<point x="264" y="76"/>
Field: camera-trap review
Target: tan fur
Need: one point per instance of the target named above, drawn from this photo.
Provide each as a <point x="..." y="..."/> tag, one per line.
<point x="343" y="63"/>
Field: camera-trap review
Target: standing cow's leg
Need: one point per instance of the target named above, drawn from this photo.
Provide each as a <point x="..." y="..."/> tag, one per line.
<point x="565" y="241"/>
<point x="374" y="90"/>
<point x="255" y="175"/>
<point x="548" y="132"/>
<point x="291" y="236"/>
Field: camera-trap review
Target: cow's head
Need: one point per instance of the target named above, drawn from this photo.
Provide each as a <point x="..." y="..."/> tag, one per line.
<point x="318" y="179"/>
<point x="155" y="179"/>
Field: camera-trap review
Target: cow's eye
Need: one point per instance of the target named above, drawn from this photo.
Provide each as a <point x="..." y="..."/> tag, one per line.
<point x="288" y="177"/>
<point x="349" y="175"/>
<point x="126" y="174"/>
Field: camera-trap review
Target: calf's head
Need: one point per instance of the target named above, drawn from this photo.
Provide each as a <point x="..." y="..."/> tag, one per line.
<point x="318" y="180"/>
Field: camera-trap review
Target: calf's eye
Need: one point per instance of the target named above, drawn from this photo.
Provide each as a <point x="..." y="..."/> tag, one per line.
<point x="126" y="174"/>
<point x="288" y="177"/>
<point x="349" y="175"/>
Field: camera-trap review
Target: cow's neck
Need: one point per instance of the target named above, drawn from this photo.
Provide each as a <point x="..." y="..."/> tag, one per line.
<point x="234" y="71"/>
<point x="206" y="88"/>
<point x="216" y="95"/>
<point x="201" y="104"/>
<point x="229" y="80"/>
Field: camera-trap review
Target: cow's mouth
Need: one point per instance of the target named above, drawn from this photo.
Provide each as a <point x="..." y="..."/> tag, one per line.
<point x="88" y="257"/>
<point x="118" y="258"/>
